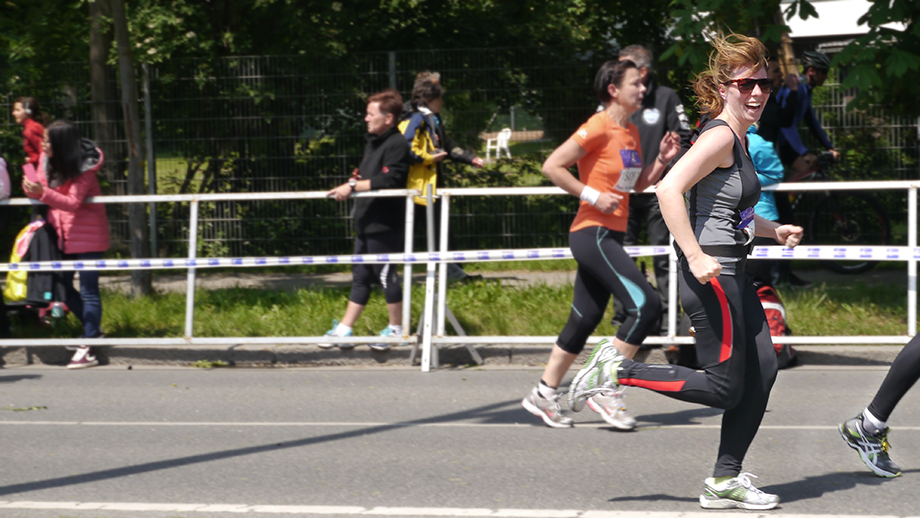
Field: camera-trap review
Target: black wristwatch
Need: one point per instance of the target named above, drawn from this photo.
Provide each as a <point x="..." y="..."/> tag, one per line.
<point x="353" y="183"/>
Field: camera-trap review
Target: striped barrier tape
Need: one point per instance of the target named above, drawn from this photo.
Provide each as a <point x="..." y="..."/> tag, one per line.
<point x="854" y="253"/>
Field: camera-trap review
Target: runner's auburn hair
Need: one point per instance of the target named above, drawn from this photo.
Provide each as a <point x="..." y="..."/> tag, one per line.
<point x="729" y="53"/>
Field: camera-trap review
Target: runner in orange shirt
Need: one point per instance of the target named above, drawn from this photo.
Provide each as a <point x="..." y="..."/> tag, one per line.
<point x="606" y="149"/>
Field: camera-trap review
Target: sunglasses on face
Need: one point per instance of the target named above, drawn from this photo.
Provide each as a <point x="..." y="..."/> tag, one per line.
<point x="746" y="85"/>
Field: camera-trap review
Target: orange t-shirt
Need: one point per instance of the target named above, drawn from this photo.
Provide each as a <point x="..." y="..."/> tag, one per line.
<point x="613" y="163"/>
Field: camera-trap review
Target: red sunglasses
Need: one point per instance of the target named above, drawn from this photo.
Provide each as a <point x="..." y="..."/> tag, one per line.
<point x="746" y="85"/>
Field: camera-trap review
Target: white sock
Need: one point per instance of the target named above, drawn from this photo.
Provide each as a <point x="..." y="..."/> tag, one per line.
<point x="397" y="329"/>
<point x="342" y="329"/>
<point x="546" y="391"/>
<point x="879" y="425"/>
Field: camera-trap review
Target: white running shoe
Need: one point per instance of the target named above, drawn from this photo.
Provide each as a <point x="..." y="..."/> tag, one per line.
<point x="736" y="493"/>
<point x="611" y="407"/>
<point x="334" y="332"/>
<point x="594" y="377"/>
<point x="387" y="332"/>
<point x="546" y="409"/>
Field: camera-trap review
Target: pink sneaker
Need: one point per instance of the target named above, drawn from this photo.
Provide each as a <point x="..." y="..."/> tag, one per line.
<point x="83" y="358"/>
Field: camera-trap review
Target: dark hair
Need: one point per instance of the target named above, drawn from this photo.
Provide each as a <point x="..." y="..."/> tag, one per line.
<point x="425" y="92"/>
<point x="30" y="105"/>
<point x="610" y="73"/>
<point x="66" y="152"/>
<point x="390" y="102"/>
<point x="426" y="75"/>
<point x="640" y="55"/>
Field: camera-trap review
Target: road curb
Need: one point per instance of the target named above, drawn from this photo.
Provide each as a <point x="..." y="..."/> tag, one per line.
<point x="362" y="356"/>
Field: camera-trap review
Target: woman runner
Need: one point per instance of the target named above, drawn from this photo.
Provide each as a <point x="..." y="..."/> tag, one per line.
<point x="713" y="230"/>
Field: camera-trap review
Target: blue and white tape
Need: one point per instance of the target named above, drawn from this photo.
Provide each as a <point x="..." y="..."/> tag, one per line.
<point x="854" y="253"/>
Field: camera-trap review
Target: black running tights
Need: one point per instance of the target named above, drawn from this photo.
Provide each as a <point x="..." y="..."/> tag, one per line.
<point x="739" y="363"/>
<point x="605" y="268"/>
<point x="364" y="275"/>
<point x="901" y="377"/>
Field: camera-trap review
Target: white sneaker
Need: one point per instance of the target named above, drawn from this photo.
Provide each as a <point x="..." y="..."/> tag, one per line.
<point x="611" y="407"/>
<point x="736" y="493"/>
<point x="334" y="332"/>
<point x="546" y="409"/>
<point x="387" y="332"/>
<point x="83" y="358"/>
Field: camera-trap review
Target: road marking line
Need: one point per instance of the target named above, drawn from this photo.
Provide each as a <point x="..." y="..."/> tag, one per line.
<point x="408" y="425"/>
<point x="381" y="511"/>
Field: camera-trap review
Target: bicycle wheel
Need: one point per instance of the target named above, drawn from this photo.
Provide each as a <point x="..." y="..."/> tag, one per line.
<point x="849" y="219"/>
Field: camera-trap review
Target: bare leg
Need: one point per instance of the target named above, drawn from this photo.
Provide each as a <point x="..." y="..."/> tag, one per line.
<point x="558" y="364"/>
<point x="352" y="312"/>
<point x="395" y="311"/>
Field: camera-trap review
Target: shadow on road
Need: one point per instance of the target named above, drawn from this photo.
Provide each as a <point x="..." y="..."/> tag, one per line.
<point x="19" y="377"/>
<point x="817" y="486"/>
<point x="683" y="417"/>
<point x="653" y="498"/>
<point x="494" y="413"/>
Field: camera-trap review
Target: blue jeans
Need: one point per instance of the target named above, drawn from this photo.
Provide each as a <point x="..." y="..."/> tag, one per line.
<point x="86" y="304"/>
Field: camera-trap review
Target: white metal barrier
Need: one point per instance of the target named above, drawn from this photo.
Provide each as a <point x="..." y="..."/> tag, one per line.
<point x="434" y="337"/>
<point x="909" y="254"/>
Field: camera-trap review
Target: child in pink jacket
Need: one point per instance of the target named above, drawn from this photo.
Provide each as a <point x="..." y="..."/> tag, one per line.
<point x="66" y="177"/>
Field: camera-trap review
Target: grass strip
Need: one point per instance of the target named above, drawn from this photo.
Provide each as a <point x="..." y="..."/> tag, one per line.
<point x="483" y="308"/>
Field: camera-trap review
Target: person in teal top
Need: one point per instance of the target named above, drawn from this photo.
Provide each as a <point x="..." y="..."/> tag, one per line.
<point x="770" y="171"/>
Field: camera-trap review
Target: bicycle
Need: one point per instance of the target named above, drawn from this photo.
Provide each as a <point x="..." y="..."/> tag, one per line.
<point x="852" y="218"/>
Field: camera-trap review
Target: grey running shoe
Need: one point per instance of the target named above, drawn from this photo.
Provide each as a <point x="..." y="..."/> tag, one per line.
<point x="594" y="377"/>
<point x="736" y="493"/>
<point x="872" y="448"/>
<point x="611" y="407"/>
<point x="547" y="409"/>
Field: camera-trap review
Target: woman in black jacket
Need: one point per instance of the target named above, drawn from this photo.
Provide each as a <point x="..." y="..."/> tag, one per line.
<point x="379" y="222"/>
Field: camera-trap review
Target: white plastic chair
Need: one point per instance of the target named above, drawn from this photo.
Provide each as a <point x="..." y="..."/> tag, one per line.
<point x="498" y="144"/>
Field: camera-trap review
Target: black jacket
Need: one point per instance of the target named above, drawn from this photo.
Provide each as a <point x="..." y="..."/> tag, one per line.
<point x="662" y="111"/>
<point x="775" y="117"/>
<point x="44" y="287"/>
<point x="386" y="165"/>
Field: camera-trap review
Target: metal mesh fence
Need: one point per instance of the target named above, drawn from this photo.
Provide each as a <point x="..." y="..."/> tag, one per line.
<point x="290" y="123"/>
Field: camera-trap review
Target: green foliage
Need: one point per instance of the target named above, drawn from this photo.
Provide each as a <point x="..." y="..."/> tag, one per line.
<point x="883" y="66"/>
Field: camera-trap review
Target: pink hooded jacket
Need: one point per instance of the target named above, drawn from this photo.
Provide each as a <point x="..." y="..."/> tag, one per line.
<point x="81" y="227"/>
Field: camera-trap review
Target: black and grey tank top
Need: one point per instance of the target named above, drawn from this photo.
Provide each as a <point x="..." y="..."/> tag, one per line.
<point x="721" y="206"/>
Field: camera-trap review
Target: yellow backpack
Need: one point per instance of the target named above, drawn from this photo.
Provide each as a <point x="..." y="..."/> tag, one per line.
<point x="16" y="289"/>
<point x="423" y="173"/>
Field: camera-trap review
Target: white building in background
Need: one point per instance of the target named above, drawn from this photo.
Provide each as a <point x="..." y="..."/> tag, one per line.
<point x="836" y="25"/>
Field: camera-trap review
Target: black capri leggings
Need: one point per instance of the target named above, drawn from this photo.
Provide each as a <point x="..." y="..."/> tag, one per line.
<point x="604" y="267"/>
<point x="364" y="275"/>
<point x="739" y="363"/>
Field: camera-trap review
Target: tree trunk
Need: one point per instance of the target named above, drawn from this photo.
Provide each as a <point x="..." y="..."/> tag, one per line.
<point x="137" y="212"/>
<point x="99" y="43"/>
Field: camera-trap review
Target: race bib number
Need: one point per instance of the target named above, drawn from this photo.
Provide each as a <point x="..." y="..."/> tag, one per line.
<point x="747" y="223"/>
<point x="632" y="166"/>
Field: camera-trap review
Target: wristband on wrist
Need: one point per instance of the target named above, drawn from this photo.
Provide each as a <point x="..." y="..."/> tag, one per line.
<point x="662" y="162"/>
<point x="590" y="195"/>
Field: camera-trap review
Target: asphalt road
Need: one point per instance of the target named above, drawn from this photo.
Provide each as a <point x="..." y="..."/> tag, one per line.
<point x="179" y="442"/>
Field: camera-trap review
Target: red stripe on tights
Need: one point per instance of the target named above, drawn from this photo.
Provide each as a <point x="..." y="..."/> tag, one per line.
<point x="726" y="351"/>
<point x="660" y="386"/>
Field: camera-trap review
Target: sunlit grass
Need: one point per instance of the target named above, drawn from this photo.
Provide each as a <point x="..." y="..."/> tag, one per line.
<point x="483" y="308"/>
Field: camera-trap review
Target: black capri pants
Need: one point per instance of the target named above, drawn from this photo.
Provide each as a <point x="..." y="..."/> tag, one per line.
<point x="604" y="267"/>
<point x="365" y="275"/>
